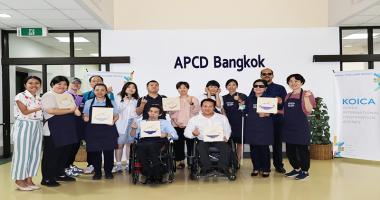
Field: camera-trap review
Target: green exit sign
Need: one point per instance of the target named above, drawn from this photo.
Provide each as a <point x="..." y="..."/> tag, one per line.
<point x="31" y="32"/>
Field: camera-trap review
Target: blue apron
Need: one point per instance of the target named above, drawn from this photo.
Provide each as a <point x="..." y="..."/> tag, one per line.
<point x="258" y="130"/>
<point x="100" y="136"/>
<point x="63" y="129"/>
<point x="296" y="128"/>
<point x="234" y="115"/>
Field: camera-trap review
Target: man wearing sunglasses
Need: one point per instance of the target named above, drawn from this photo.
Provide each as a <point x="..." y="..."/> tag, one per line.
<point x="278" y="91"/>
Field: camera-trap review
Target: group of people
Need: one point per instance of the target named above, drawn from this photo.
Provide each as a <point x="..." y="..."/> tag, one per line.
<point x="40" y="122"/>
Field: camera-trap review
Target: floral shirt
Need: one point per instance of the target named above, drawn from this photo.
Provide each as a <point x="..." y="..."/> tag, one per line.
<point x="30" y="102"/>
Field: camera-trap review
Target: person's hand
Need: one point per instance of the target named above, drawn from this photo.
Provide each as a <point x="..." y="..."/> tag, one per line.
<point x="279" y="100"/>
<point x="208" y="92"/>
<point x="109" y="89"/>
<point x="218" y="91"/>
<point x="307" y="94"/>
<point x="236" y="97"/>
<point x="196" y="132"/>
<point x="72" y="109"/>
<point x="134" y="125"/>
<point x="225" y="139"/>
<point x="86" y="118"/>
<point x="263" y="115"/>
<point x="163" y="135"/>
<point x="143" y="101"/>
<point x="77" y="112"/>
<point x="112" y="123"/>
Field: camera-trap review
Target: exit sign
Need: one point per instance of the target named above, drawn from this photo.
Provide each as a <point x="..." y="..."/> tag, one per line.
<point x="31" y="32"/>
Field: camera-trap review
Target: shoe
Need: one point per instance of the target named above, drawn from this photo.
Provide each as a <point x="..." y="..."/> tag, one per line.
<point x="50" y="183"/>
<point x="165" y="178"/>
<point x="76" y="169"/>
<point x="27" y="188"/>
<point x="255" y="173"/>
<point x="181" y="166"/>
<point x="70" y="172"/>
<point x="34" y="187"/>
<point x="89" y="170"/>
<point x="117" y="169"/>
<point x="65" y="178"/>
<point x="265" y="174"/>
<point x="126" y="167"/>
<point x="293" y="173"/>
<point x="302" y="176"/>
<point x="281" y="170"/>
<point x="109" y="176"/>
<point x="97" y="177"/>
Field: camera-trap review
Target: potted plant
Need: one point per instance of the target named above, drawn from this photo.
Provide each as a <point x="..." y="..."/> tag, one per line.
<point x="321" y="147"/>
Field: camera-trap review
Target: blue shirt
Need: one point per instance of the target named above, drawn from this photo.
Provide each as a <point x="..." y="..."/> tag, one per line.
<point x="90" y="95"/>
<point x="86" y="109"/>
<point x="165" y="126"/>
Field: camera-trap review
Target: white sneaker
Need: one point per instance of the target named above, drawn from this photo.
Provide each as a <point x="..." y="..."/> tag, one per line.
<point x="89" y="169"/>
<point x="127" y="167"/>
<point x="117" y="169"/>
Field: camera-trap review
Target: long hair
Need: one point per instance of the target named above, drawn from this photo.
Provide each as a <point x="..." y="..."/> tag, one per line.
<point x="122" y="93"/>
<point x="108" y="100"/>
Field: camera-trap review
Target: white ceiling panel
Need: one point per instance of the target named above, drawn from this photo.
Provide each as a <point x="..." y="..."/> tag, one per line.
<point x="14" y="14"/>
<point x="2" y="6"/>
<point x="357" y="20"/>
<point x="59" y="23"/>
<point x="21" y="23"/>
<point x="77" y="14"/>
<point x="89" y="23"/>
<point x="373" y="10"/>
<point x="44" y="14"/>
<point x="27" y="4"/>
<point x="64" y="4"/>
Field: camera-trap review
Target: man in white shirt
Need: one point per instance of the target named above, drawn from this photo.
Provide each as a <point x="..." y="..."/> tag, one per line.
<point x="197" y="128"/>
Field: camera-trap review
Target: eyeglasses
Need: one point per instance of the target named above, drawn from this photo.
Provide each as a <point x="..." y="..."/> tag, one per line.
<point x="258" y="86"/>
<point x="266" y="74"/>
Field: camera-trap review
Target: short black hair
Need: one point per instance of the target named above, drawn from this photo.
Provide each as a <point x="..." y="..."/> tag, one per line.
<point x="152" y="81"/>
<point x="231" y="80"/>
<point x="208" y="100"/>
<point x="158" y="107"/>
<point x="262" y="81"/>
<point x="213" y="83"/>
<point x="179" y="84"/>
<point x="298" y="77"/>
<point x="89" y="80"/>
<point x="32" y="77"/>
<point x="58" y="79"/>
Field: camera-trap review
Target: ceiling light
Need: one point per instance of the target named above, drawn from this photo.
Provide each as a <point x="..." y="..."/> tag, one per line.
<point x="358" y="36"/>
<point x="67" y="39"/>
<point x="4" y="15"/>
<point x="94" y="54"/>
<point x="78" y="49"/>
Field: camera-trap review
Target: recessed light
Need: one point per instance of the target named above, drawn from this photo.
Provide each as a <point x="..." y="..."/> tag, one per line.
<point x="94" y="54"/>
<point x="4" y="15"/>
<point x="67" y="39"/>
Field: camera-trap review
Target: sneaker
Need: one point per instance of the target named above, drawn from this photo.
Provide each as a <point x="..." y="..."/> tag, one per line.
<point x="50" y="183"/>
<point x="293" y="173"/>
<point x="117" y="169"/>
<point x="281" y="170"/>
<point x="89" y="170"/>
<point x="76" y="169"/>
<point x="97" y="177"/>
<point x="302" y="176"/>
<point x="126" y="167"/>
<point x="109" y="176"/>
<point x="71" y="173"/>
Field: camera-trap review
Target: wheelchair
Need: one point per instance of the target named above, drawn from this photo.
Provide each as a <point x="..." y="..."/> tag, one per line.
<point x="214" y="155"/>
<point x="166" y="157"/>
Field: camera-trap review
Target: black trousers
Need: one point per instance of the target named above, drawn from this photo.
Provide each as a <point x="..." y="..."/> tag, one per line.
<point x="179" y="145"/>
<point x="299" y="156"/>
<point x="72" y="154"/>
<point x="54" y="159"/>
<point x="96" y="157"/>
<point x="277" y="145"/>
<point x="148" y="153"/>
<point x="260" y="156"/>
<point x="224" y="159"/>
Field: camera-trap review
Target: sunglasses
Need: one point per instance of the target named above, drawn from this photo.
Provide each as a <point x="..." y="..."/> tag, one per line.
<point x="266" y="74"/>
<point x="258" y="86"/>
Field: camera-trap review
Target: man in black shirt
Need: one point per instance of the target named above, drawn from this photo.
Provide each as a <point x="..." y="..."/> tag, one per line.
<point x="153" y="98"/>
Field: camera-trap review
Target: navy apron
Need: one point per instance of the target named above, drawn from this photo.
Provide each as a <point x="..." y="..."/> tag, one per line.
<point x="100" y="136"/>
<point x="234" y="115"/>
<point x="258" y="130"/>
<point x="63" y="129"/>
<point x="296" y="128"/>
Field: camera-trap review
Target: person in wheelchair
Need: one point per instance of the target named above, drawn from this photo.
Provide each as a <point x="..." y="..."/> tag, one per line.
<point x="197" y="128"/>
<point x="150" y="146"/>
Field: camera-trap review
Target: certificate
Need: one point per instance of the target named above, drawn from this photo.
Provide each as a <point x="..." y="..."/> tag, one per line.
<point x="213" y="133"/>
<point x="102" y="115"/>
<point x="266" y="105"/>
<point x="171" y="104"/>
<point x="150" y="129"/>
<point x="65" y="100"/>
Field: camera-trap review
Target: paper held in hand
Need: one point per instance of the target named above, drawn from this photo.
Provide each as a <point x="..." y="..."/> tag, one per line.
<point x="65" y="100"/>
<point x="102" y="115"/>
<point x="213" y="133"/>
<point x="171" y="104"/>
<point x="266" y="105"/>
<point x="150" y="129"/>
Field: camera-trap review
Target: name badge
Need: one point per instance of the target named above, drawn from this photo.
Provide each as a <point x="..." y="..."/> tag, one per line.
<point x="230" y="104"/>
<point x="254" y="106"/>
<point x="291" y="104"/>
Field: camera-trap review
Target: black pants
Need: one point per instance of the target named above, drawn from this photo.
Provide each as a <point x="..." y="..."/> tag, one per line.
<point x="72" y="154"/>
<point x="224" y="158"/>
<point x="260" y="156"/>
<point x="299" y="156"/>
<point x="54" y="159"/>
<point x="277" y="145"/>
<point x="179" y="145"/>
<point x="96" y="157"/>
<point x="148" y="153"/>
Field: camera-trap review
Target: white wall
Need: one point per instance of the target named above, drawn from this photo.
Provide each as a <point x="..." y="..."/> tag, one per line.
<point x="153" y="55"/>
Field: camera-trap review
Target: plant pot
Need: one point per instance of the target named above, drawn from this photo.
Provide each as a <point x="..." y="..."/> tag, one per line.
<point x="81" y="155"/>
<point x="321" y="151"/>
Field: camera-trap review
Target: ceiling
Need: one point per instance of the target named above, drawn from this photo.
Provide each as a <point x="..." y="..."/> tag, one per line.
<point x="366" y="17"/>
<point x="53" y="14"/>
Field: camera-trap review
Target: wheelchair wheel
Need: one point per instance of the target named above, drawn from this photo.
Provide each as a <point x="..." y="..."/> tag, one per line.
<point x="135" y="178"/>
